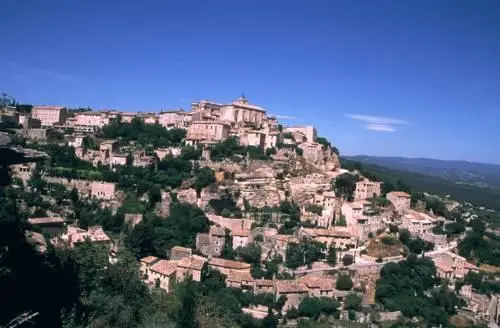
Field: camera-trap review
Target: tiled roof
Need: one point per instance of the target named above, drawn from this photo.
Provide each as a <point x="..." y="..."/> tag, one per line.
<point x="181" y="249"/>
<point x="217" y="231"/>
<point x="332" y="232"/>
<point x="400" y="194"/>
<point x="203" y="239"/>
<point x="228" y="264"/>
<point x="239" y="276"/>
<point x="264" y="282"/>
<point x="240" y="233"/>
<point x="323" y="283"/>
<point x="149" y="259"/>
<point x="191" y="263"/>
<point x="290" y="286"/>
<point x="45" y="220"/>
<point x="164" y="267"/>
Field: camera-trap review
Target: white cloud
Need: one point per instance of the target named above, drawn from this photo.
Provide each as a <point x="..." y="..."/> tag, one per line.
<point x="284" y="117"/>
<point x="379" y="123"/>
<point x="380" y="127"/>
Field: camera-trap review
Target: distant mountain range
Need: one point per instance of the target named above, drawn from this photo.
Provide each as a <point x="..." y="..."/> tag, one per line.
<point x="460" y="172"/>
<point x="477" y="183"/>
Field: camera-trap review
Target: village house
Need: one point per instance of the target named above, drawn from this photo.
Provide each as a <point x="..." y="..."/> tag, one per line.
<point x="49" y="115"/>
<point x="240" y="238"/>
<point x="319" y="286"/>
<point x="140" y="159"/>
<point x="132" y="219"/>
<point x="23" y="171"/>
<point x="253" y="138"/>
<point x="280" y="243"/>
<point x="148" y="118"/>
<point x="175" y="119"/>
<point x="51" y="226"/>
<point x="36" y="134"/>
<point x="190" y="266"/>
<point x="29" y="122"/>
<point x="366" y="189"/>
<point x="94" y="120"/>
<point x="338" y="236"/>
<point x="118" y="159"/>
<point x="309" y="132"/>
<point x="400" y="200"/>
<point x="179" y="252"/>
<point x="145" y="263"/>
<point x="211" y="243"/>
<point x="76" y="140"/>
<point x="228" y="266"/>
<point x="312" y="152"/>
<point x="418" y="223"/>
<point x="75" y="236"/>
<point x="161" y="274"/>
<point x="294" y="290"/>
<point x="103" y="190"/>
<point x="242" y="280"/>
<point x="205" y="109"/>
<point x="452" y="266"/>
<point x="360" y="222"/>
<point x="164" y="152"/>
<point x="271" y="139"/>
<point x="263" y="286"/>
<point x="107" y="148"/>
<point x="208" y="131"/>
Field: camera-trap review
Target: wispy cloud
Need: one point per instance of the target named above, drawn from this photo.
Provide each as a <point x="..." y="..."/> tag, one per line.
<point x="284" y="117"/>
<point x="379" y="123"/>
<point x="380" y="127"/>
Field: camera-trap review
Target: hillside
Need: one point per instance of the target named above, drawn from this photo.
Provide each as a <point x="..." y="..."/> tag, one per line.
<point x="460" y="172"/>
<point x="480" y="196"/>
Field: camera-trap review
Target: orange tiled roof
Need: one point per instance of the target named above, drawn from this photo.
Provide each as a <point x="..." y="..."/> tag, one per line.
<point x="164" y="267"/>
<point x="400" y="194"/>
<point x="228" y="264"/>
<point x="264" y="282"/>
<point x="149" y="259"/>
<point x="290" y="286"/>
<point x="240" y="233"/>
<point x="191" y="263"/>
<point x="239" y="276"/>
<point x="45" y="220"/>
<point x="322" y="283"/>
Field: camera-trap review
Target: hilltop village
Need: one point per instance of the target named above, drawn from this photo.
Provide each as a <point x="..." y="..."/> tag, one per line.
<point x="224" y="192"/>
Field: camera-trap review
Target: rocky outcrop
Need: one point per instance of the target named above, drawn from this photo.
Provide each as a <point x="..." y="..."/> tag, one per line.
<point x="304" y="189"/>
<point x="258" y="187"/>
<point x="187" y="196"/>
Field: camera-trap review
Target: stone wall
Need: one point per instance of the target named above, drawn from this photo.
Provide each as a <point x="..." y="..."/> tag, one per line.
<point x="231" y="224"/>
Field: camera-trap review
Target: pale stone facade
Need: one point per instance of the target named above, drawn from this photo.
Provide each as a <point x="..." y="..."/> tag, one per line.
<point x="312" y="152"/>
<point x="240" y="238"/>
<point x="91" y="119"/>
<point x="211" y="243"/>
<point x="175" y="119"/>
<point x="253" y="138"/>
<point x="338" y="236"/>
<point x="366" y="189"/>
<point x="103" y="190"/>
<point x="228" y="266"/>
<point x="452" y="266"/>
<point x="75" y="236"/>
<point x="418" y="223"/>
<point x="211" y="131"/>
<point x="308" y="131"/>
<point x="49" y="115"/>
<point x="240" y="111"/>
<point x="400" y="200"/>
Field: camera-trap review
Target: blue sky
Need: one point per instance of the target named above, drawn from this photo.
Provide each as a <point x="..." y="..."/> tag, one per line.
<point x="418" y="78"/>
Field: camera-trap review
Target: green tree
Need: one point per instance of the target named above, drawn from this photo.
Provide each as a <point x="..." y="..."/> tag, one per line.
<point x="204" y="178"/>
<point x="344" y="282"/>
<point x="332" y="255"/>
<point x="353" y="302"/>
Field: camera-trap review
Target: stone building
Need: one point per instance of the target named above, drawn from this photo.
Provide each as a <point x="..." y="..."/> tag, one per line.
<point x="49" y="115"/>
<point x="36" y="134"/>
<point x="418" y="223"/>
<point x="178" y="252"/>
<point x="294" y="290"/>
<point x="51" y="226"/>
<point x="241" y="111"/>
<point x="228" y="266"/>
<point x="75" y="236"/>
<point x="132" y="219"/>
<point x="206" y="131"/>
<point x="211" y="243"/>
<point x="366" y="189"/>
<point x="107" y="148"/>
<point x="309" y="131"/>
<point x="23" y="171"/>
<point x="205" y="109"/>
<point x="400" y="200"/>
<point x="312" y="152"/>
<point x="338" y="236"/>
<point x="452" y="266"/>
<point x="103" y="190"/>
<point x="91" y="119"/>
<point x="240" y="238"/>
<point x="253" y="138"/>
<point x="175" y="119"/>
<point x="243" y="280"/>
